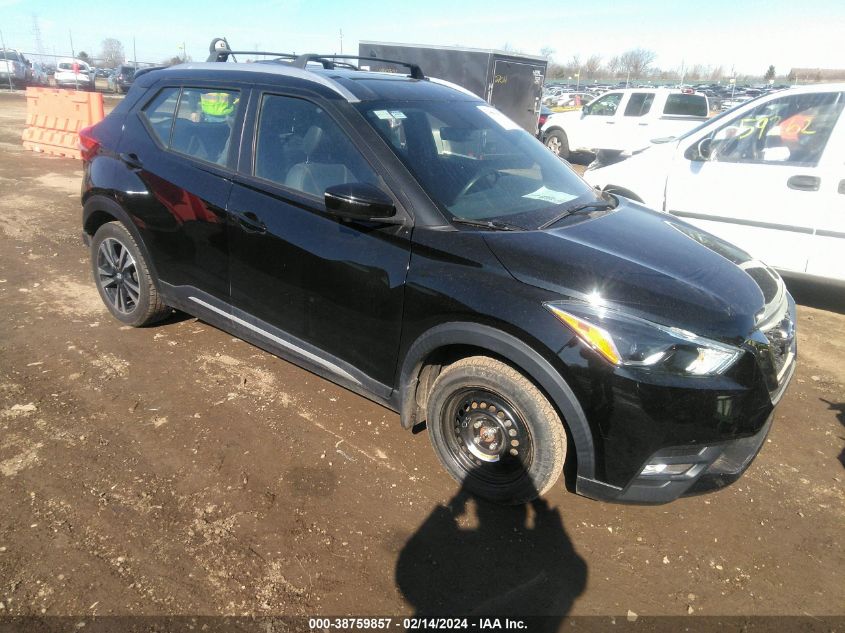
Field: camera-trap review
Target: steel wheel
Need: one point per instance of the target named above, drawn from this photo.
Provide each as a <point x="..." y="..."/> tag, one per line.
<point x="493" y="430"/>
<point x="554" y="144"/>
<point x="117" y="275"/>
<point x="487" y="437"/>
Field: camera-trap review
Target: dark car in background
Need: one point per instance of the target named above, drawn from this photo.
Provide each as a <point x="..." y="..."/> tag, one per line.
<point x="406" y="240"/>
<point x="121" y="79"/>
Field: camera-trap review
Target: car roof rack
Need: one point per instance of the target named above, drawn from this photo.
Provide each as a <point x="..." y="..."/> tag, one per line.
<point x="219" y="51"/>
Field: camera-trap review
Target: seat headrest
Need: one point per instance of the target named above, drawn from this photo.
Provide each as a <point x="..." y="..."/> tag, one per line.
<point x="312" y="139"/>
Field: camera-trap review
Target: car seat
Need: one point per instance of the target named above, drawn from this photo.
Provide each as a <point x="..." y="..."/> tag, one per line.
<point x="313" y="176"/>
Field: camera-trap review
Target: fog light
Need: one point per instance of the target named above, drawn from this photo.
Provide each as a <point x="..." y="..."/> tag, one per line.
<point x="665" y="469"/>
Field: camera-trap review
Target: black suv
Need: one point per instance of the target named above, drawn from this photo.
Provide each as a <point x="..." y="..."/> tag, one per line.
<point x="400" y="237"/>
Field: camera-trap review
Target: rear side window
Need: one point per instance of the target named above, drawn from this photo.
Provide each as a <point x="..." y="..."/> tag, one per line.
<point x="301" y="147"/>
<point x="159" y="113"/>
<point x="686" y="105"/>
<point x="639" y="104"/>
<point x="196" y="122"/>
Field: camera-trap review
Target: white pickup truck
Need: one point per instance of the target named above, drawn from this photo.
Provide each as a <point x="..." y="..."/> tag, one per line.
<point x="625" y="120"/>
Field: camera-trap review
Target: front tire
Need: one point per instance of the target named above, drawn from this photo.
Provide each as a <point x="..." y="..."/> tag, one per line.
<point x="494" y="431"/>
<point x="558" y="143"/>
<point x="123" y="277"/>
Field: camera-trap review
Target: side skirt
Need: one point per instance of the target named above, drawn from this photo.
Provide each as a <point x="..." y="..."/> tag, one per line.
<point x="278" y="342"/>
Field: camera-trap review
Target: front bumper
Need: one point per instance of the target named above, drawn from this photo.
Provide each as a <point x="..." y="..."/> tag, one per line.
<point x="657" y="440"/>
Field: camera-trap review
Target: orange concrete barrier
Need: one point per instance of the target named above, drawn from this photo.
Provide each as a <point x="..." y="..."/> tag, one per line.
<point x="55" y="116"/>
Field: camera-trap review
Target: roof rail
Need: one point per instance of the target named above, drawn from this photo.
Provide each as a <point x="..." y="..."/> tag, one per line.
<point x="219" y="51"/>
<point x="301" y="61"/>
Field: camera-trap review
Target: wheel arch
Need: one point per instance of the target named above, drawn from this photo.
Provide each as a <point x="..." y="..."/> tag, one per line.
<point x="448" y="342"/>
<point x="98" y="210"/>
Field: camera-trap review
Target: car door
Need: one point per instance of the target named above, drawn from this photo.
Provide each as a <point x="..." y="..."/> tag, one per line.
<point x="177" y="181"/>
<point x="327" y="290"/>
<point x="827" y="256"/>
<point x="635" y="129"/>
<point x="753" y="180"/>
<point x="597" y="127"/>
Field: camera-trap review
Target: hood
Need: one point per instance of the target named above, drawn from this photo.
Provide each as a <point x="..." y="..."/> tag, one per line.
<point x="644" y="263"/>
<point x="560" y="118"/>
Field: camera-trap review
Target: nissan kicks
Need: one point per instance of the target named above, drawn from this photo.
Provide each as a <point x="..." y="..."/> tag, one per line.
<point x="402" y="238"/>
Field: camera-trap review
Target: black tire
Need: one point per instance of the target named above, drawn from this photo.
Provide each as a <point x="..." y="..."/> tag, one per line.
<point x="494" y="431"/>
<point x="558" y="143"/>
<point x="123" y="277"/>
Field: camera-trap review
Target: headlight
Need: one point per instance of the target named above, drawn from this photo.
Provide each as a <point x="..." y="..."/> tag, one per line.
<point x="629" y="341"/>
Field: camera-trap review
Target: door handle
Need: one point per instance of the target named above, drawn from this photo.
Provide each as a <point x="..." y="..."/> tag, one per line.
<point x="250" y="222"/>
<point x="842" y="186"/>
<point x="804" y="183"/>
<point x="611" y="122"/>
<point x="642" y="124"/>
<point x="132" y="161"/>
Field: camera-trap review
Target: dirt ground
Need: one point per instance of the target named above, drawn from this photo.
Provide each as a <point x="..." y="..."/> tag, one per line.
<point x="177" y="470"/>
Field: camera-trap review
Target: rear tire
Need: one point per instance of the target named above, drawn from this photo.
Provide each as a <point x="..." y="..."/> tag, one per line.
<point x="494" y="431"/>
<point x="558" y="143"/>
<point x="123" y="277"/>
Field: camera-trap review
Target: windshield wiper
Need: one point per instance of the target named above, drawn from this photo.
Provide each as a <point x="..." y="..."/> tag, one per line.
<point x="494" y="225"/>
<point x="589" y="206"/>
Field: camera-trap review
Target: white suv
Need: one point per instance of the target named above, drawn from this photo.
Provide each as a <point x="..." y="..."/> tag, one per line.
<point x="74" y="73"/>
<point x="768" y="176"/>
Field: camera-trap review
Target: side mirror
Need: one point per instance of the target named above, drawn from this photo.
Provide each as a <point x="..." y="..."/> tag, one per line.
<point x="359" y="201"/>
<point x="585" y="110"/>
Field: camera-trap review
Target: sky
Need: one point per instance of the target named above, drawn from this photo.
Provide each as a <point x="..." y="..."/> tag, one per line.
<point x="746" y="35"/>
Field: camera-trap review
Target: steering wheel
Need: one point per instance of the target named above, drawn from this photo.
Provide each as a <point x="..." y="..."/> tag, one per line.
<point x="489" y="171"/>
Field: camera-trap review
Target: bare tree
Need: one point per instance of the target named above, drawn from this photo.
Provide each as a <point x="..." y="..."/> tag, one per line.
<point x="614" y="66"/>
<point x="84" y="57"/>
<point x="717" y="73"/>
<point x="547" y="52"/>
<point x="592" y="66"/>
<point x="637" y="61"/>
<point x="112" y="54"/>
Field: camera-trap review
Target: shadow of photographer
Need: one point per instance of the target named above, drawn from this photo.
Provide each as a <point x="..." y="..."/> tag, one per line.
<point x="472" y="557"/>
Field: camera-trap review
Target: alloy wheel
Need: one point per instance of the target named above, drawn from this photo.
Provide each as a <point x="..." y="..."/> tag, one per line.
<point x="117" y="275"/>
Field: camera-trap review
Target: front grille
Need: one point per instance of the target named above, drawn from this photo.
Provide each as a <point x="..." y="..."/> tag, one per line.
<point x="769" y="284"/>
<point x="780" y="340"/>
<point x="776" y="322"/>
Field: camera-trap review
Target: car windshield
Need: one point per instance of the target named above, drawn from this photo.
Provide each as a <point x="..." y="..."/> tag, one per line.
<point x="476" y="164"/>
<point x="10" y="55"/>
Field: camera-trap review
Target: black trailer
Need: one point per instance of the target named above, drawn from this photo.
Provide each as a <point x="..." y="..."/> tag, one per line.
<point x="512" y="83"/>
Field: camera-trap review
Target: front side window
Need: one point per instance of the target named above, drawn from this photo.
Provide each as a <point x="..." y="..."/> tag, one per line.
<point x="299" y="146"/>
<point x="789" y="130"/>
<point x="606" y="105"/>
<point x="475" y="163"/>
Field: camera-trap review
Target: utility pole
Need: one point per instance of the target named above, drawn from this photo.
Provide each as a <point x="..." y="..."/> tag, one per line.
<point x="9" y="75"/>
<point x="73" y="64"/>
<point x="36" y="33"/>
<point x="134" y="54"/>
<point x="341" y="41"/>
